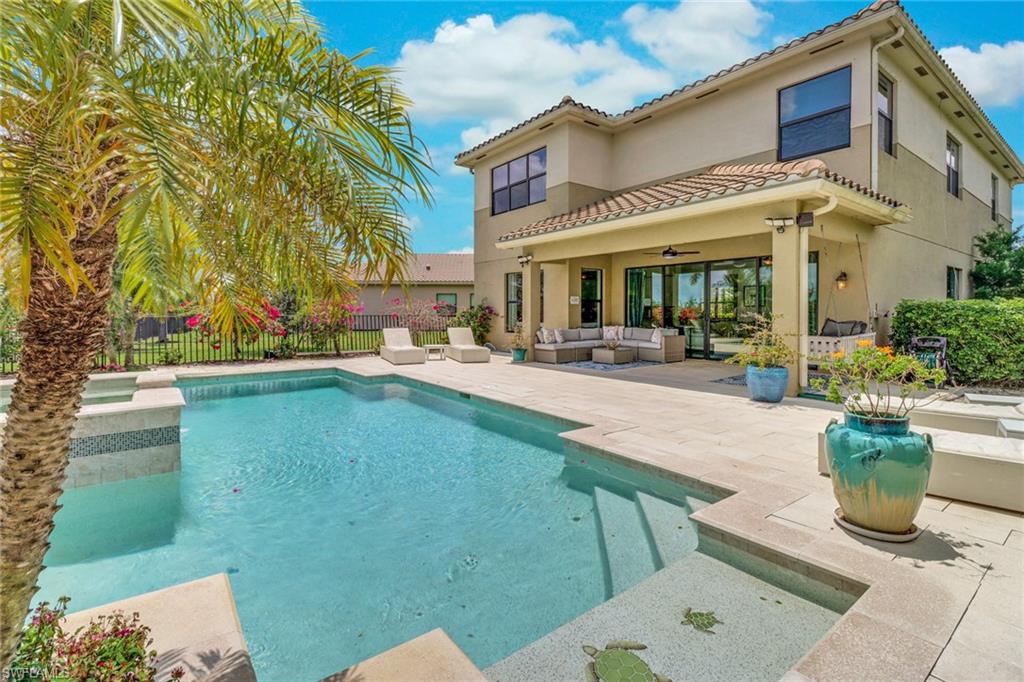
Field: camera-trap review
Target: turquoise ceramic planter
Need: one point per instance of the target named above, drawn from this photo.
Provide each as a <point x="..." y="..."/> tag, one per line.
<point x="767" y="385"/>
<point x="518" y="355"/>
<point x="879" y="471"/>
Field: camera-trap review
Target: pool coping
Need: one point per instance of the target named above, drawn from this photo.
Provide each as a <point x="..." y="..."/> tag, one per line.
<point x="898" y="627"/>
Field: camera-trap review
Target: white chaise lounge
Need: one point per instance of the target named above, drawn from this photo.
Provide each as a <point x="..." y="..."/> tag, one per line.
<point x="462" y="346"/>
<point x="398" y="348"/>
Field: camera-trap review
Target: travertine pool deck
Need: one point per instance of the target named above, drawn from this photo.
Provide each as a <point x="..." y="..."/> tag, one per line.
<point x="948" y="606"/>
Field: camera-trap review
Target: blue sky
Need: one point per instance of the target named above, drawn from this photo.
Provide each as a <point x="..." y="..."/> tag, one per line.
<point x="474" y="69"/>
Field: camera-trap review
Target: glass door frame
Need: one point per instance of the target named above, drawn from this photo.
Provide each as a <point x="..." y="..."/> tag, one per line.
<point x="599" y="300"/>
<point x="762" y="302"/>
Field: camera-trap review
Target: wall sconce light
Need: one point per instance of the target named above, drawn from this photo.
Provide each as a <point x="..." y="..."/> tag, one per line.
<point x="842" y="280"/>
<point x="780" y="224"/>
<point x="524" y="260"/>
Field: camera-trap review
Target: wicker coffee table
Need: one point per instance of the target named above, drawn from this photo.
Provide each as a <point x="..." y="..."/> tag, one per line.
<point x="609" y="356"/>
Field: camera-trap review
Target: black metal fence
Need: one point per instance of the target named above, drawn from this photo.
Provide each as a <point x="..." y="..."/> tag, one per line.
<point x="170" y="341"/>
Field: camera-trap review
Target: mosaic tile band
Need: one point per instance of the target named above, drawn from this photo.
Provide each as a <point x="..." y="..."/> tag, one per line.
<point x="127" y="440"/>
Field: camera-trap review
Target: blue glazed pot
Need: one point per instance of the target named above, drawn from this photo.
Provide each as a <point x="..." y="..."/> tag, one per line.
<point x="879" y="470"/>
<point x="767" y="385"/>
<point x="518" y="355"/>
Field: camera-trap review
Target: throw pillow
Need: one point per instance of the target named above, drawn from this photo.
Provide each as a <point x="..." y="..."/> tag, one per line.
<point x="560" y="336"/>
<point x="549" y="335"/>
<point x="609" y="334"/>
<point x="656" y="336"/>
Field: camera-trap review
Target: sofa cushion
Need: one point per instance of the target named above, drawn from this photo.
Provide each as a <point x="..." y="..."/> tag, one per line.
<point x="579" y="344"/>
<point x="639" y="333"/>
<point x="647" y="344"/>
<point x="571" y="334"/>
<point x="611" y="333"/>
<point x="830" y="328"/>
<point x="593" y="334"/>
<point x="547" y="346"/>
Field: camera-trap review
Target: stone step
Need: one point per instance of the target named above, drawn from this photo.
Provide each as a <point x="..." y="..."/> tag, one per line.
<point x="673" y="535"/>
<point x="627" y="552"/>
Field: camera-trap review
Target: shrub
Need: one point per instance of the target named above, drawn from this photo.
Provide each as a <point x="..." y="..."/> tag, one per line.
<point x="764" y="346"/>
<point x="986" y="338"/>
<point x="111" y="648"/>
<point x="478" y="318"/>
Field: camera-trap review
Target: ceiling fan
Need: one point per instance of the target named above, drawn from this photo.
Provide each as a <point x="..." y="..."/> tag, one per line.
<point x="670" y="253"/>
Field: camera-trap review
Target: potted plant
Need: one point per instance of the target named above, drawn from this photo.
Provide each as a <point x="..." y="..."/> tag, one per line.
<point x="879" y="467"/>
<point x="766" y="358"/>
<point x="518" y="344"/>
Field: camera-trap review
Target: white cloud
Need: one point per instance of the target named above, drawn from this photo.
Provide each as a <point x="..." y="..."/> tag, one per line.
<point x="698" y="38"/>
<point x="503" y="73"/>
<point x="412" y="222"/>
<point x="994" y="74"/>
<point x="464" y="249"/>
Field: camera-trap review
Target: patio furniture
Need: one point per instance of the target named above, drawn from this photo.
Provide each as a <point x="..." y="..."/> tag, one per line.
<point x="578" y="344"/>
<point x="837" y="337"/>
<point x="462" y="346"/>
<point x="614" y="356"/>
<point x="436" y="349"/>
<point x="398" y="348"/>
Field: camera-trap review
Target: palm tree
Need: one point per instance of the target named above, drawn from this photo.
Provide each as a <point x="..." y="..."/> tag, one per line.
<point x="219" y="146"/>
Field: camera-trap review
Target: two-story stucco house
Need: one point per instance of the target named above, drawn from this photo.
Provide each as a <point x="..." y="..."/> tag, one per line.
<point x="828" y="178"/>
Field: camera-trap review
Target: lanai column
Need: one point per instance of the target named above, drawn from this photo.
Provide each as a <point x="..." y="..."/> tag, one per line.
<point x="531" y="304"/>
<point x="789" y="298"/>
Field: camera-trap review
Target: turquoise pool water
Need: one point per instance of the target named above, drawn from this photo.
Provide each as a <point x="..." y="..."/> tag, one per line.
<point x="353" y="516"/>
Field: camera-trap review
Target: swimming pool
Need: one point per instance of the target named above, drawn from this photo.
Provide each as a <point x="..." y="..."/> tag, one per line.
<point x="352" y="516"/>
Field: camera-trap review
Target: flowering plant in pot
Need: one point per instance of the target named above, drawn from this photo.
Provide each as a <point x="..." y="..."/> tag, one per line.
<point x="518" y="344"/>
<point x="879" y="467"/>
<point x="766" y="358"/>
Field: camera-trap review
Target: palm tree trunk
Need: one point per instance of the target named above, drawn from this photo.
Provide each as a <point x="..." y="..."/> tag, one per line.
<point x="61" y="333"/>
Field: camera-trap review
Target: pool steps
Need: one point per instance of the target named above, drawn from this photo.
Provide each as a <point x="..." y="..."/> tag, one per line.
<point x="628" y="556"/>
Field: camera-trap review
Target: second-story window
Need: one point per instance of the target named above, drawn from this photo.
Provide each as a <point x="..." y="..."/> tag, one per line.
<point x="814" y="116"/>
<point x="885" y="102"/>
<point x="520" y="182"/>
<point x="952" y="166"/>
<point x="995" y="198"/>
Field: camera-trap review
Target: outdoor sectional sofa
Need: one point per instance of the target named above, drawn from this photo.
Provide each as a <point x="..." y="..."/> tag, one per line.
<point x="578" y="345"/>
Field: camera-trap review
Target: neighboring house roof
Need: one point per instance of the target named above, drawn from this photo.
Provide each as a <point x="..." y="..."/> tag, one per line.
<point x="431" y="268"/>
<point x="715" y="182"/>
<point x="568" y="104"/>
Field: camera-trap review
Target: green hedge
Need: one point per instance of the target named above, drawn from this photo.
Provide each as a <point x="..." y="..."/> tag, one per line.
<point x="986" y="338"/>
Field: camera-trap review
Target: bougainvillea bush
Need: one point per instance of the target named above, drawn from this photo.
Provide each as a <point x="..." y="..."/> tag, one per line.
<point x="266" y="320"/>
<point x="420" y="317"/>
<point x="111" y="648"/>
<point x="479" y="318"/>
<point x="326" y="322"/>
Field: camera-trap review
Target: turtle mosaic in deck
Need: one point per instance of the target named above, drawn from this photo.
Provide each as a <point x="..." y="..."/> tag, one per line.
<point x="617" y="663"/>
<point x="701" y="620"/>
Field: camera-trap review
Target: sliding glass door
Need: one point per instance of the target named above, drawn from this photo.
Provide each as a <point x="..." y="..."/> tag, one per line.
<point x="710" y="303"/>
<point x="685" y="298"/>
<point x="591" y="298"/>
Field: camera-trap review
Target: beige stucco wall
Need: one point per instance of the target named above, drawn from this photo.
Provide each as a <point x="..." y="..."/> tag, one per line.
<point x="739" y="124"/>
<point x="376" y="300"/>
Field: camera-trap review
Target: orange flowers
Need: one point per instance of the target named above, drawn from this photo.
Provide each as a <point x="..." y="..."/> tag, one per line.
<point x="839" y="354"/>
<point x="887" y="350"/>
<point x="864" y="343"/>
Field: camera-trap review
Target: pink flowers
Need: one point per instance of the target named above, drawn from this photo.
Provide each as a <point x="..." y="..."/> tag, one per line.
<point x="194" y="321"/>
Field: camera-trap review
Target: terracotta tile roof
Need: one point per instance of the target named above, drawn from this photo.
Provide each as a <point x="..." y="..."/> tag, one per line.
<point x="716" y="181"/>
<point x="874" y="8"/>
<point x="426" y="268"/>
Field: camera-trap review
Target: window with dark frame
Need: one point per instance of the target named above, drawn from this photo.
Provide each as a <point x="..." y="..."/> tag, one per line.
<point x="814" y="116"/>
<point x="513" y="300"/>
<point x="885" y="105"/>
<point x="995" y="198"/>
<point x="952" y="166"/>
<point x="954" y="277"/>
<point x="450" y="301"/>
<point x="520" y="182"/>
<point x="591" y="297"/>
